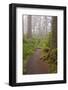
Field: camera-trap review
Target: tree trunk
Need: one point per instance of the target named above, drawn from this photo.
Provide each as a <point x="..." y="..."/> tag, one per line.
<point x="29" y="31"/>
<point x="54" y="32"/>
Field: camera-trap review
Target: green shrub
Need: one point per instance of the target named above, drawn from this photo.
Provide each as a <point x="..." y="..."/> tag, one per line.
<point x="50" y="56"/>
<point x="53" y="55"/>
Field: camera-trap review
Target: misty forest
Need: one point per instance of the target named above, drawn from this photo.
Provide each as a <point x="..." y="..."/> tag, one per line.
<point x="39" y="44"/>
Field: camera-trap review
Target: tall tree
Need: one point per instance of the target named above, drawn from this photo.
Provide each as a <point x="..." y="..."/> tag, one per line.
<point x="54" y="32"/>
<point x="29" y="22"/>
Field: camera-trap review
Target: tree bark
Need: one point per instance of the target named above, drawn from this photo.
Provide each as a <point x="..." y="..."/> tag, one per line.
<point x="29" y="31"/>
<point x="54" y="32"/>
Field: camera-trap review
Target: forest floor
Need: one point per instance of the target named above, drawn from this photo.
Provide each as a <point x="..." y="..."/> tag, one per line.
<point x="35" y="65"/>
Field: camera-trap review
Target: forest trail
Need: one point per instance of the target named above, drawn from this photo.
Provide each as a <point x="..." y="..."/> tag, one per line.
<point x="35" y="65"/>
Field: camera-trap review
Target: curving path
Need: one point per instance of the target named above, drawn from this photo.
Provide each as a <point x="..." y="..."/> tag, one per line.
<point x="35" y="65"/>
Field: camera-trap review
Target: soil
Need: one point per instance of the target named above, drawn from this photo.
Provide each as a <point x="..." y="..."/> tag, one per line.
<point x="35" y="65"/>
